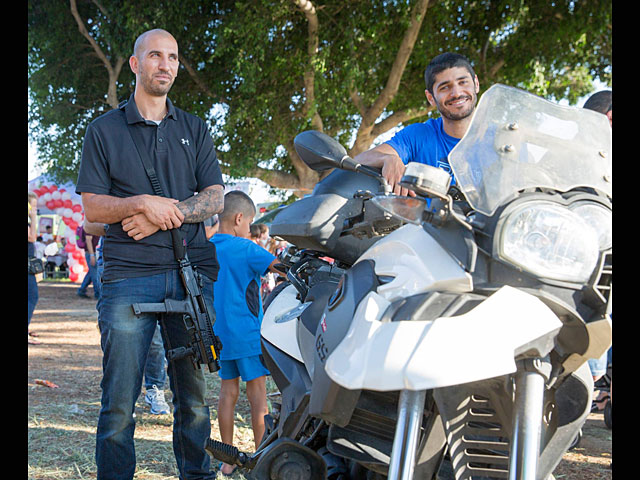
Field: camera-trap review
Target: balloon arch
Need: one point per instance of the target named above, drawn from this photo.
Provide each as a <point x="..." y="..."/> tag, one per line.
<point x="62" y="203"/>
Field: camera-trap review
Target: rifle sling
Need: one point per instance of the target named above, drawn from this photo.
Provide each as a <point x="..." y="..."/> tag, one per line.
<point x="178" y="244"/>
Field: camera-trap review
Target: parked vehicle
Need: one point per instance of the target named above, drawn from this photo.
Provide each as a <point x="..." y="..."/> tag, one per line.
<point x="444" y="334"/>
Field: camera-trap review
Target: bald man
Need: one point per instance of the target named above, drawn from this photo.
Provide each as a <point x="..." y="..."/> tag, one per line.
<point x="139" y="262"/>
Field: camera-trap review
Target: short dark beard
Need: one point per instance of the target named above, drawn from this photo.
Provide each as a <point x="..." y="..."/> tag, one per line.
<point x="461" y="116"/>
<point x="154" y="90"/>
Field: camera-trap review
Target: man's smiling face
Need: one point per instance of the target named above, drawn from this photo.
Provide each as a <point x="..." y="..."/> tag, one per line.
<point x="455" y="93"/>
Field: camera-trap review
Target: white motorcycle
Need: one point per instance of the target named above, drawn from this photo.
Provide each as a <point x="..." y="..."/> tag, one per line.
<point x="447" y="334"/>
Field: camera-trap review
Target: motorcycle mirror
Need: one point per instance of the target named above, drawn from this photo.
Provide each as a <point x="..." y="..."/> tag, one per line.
<point x="321" y="152"/>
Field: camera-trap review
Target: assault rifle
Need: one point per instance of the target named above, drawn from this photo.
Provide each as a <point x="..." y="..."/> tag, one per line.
<point x="204" y="346"/>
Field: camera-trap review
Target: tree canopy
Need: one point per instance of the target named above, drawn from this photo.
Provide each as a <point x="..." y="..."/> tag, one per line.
<point x="262" y="71"/>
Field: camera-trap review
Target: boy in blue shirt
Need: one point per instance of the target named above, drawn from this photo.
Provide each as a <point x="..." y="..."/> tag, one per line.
<point x="238" y="308"/>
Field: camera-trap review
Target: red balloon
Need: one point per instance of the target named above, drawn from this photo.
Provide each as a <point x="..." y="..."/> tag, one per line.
<point x="37" y="191"/>
<point x="50" y="205"/>
<point x="73" y="225"/>
<point x="77" y="207"/>
<point x="44" y="189"/>
<point x="69" y="247"/>
<point x="57" y="203"/>
<point x="53" y="188"/>
<point x="67" y="203"/>
<point x="73" y="276"/>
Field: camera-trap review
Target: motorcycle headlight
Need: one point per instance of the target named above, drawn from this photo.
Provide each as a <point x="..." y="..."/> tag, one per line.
<point x="599" y="218"/>
<point x="550" y="241"/>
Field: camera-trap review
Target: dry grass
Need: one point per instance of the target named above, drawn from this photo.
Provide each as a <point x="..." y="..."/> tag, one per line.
<point x="61" y="422"/>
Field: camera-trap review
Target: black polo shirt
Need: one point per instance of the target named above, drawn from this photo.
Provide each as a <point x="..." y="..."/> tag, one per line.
<point x="182" y="153"/>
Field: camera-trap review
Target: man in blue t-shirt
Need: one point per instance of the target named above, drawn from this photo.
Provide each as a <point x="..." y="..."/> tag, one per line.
<point x="452" y="87"/>
<point x="238" y="308"/>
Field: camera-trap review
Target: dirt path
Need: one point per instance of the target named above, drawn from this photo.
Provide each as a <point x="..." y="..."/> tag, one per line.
<point x="61" y="421"/>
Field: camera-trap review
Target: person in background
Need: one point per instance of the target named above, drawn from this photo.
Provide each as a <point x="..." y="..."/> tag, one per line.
<point x="47" y="237"/>
<point x="259" y="234"/>
<point x="238" y="307"/>
<point x="211" y="226"/>
<point x="39" y="248"/>
<point x="265" y="240"/>
<point x="254" y="233"/>
<point x="32" y="283"/>
<point x="91" y="243"/>
<point x="601" y="102"/>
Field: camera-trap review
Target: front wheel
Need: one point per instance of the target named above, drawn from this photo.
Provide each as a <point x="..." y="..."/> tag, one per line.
<point x="576" y="441"/>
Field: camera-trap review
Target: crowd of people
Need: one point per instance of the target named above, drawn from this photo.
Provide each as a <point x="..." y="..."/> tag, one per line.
<point x="132" y="259"/>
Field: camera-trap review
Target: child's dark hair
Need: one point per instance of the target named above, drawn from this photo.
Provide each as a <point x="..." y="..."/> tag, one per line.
<point x="237" y="201"/>
<point x="254" y="228"/>
<point x="442" y="62"/>
<point x="601" y="101"/>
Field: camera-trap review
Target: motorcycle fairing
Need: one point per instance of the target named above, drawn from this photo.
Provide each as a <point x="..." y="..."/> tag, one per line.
<point x="426" y="354"/>
<point x="282" y="334"/>
<point x="294" y="383"/>
<point x="417" y="263"/>
<point x="309" y="319"/>
<point x="330" y="401"/>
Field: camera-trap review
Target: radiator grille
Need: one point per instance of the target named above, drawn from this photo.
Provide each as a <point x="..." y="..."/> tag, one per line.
<point x="603" y="282"/>
<point x="478" y="445"/>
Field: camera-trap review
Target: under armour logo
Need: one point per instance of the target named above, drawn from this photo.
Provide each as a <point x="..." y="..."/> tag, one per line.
<point x="184" y="141"/>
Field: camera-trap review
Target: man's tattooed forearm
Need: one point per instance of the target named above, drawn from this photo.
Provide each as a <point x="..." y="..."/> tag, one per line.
<point x="202" y="206"/>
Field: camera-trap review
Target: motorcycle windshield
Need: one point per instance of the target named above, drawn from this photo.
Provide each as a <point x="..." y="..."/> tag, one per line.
<point x="518" y="140"/>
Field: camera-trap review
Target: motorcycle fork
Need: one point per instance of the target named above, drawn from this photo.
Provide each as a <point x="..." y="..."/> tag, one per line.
<point x="530" y="384"/>
<point x="405" y="440"/>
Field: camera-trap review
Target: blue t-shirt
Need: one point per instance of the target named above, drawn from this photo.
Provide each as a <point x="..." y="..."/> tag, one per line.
<point x="426" y="143"/>
<point x="236" y="295"/>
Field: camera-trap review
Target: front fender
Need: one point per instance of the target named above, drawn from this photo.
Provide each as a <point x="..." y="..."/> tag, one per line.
<point x="426" y="354"/>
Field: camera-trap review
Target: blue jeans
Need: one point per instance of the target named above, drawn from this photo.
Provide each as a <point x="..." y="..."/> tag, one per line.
<point x="125" y="341"/>
<point x="90" y="277"/>
<point x="32" y="296"/>
<point x="599" y="366"/>
<point x="154" y="370"/>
